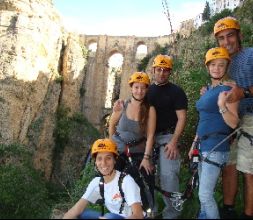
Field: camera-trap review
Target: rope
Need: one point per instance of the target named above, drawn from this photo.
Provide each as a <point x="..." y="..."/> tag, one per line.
<point x="225" y="139"/>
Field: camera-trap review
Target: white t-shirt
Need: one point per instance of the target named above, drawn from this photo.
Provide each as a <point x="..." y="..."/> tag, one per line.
<point x="112" y="194"/>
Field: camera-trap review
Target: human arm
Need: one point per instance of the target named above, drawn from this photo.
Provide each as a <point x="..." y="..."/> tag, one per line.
<point x="195" y="141"/>
<point x="137" y="211"/>
<point x="118" y="105"/>
<point x="237" y="93"/>
<point x="76" y="210"/>
<point x="171" y="148"/>
<point x="114" y="119"/>
<point x="229" y="111"/>
<point x="151" y="126"/>
<point x="203" y="90"/>
<point x="133" y="197"/>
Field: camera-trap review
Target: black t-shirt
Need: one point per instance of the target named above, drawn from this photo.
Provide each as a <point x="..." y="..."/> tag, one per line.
<point x="166" y="99"/>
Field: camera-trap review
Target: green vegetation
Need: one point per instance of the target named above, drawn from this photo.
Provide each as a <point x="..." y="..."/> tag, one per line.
<point x="71" y="130"/>
<point x="23" y="192"/>
<point x="75" y="191"/>
<point x="190" y="73"/>
<point x="67" y="126"/>
<point x="207" y="12"/>
<point x="158" y="50"/>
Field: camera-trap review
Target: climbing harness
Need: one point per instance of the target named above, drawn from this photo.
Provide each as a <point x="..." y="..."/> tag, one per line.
<point x="216" y="146"/>
<point x="101" y="201"/>
<point x="247" y="135"/>
<point x="132" y="169"/>
<point x="177" y="198"/>
<point x="131" y="142"/>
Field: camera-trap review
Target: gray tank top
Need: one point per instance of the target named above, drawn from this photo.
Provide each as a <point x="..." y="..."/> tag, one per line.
<point x="128" y="130"/>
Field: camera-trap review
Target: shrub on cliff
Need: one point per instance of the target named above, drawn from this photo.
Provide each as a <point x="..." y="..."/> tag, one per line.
<point x="23" y="192"/>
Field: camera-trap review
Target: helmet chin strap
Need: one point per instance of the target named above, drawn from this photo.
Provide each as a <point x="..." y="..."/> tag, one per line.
<point x="138" y="100"/>
<point x="217" y="78"/>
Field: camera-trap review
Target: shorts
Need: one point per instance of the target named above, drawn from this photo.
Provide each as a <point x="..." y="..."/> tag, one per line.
<point x="233" y="153"/>
<point x="245" y="149"/>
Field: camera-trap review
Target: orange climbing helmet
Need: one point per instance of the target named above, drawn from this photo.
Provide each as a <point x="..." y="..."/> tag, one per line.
<point x="139" y="77"/>
<point x="226" y="23"/>
<point x="216" y="53"/>
<point x="104" y="145"/>
<point x="163" y="61"/>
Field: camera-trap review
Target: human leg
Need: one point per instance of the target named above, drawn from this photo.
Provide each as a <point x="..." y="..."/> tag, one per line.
<point x="230" y="184"/>
<point x="208" y="176"/>
<point x="230" y="177"/>
<point x="89" y="214"/>
<point x="230" y="189"/>
<point x="169" y="178"/>
<point x="248" y="194"/>
<point x="245" y="163"/>
<point x="113" y="216"/>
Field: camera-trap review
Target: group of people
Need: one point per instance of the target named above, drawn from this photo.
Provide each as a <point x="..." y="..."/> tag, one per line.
<point x="155" y="115"/>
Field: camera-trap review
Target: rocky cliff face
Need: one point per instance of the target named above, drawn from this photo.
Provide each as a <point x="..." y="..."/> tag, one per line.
<point x="36" y="54"/>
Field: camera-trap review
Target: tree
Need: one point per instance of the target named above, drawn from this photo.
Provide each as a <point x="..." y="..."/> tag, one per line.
<point x="167" y="13"/>
<point x="206" y="13"/>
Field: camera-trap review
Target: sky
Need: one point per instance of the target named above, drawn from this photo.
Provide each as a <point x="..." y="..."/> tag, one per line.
<point x="125" y="17"/>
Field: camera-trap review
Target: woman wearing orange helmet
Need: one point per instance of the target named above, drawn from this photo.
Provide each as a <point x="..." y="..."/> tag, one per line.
<point x="217" y="118"/>
<point x="132" y="127"/>
<point x="128" y="205"/>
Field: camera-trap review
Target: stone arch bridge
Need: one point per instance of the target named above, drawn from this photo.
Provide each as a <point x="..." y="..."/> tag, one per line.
<point x="97" y="71"/>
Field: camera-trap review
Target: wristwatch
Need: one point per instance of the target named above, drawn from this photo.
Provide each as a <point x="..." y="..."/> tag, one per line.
<point x="247" y="93"/>
<point x="223" y="110"/>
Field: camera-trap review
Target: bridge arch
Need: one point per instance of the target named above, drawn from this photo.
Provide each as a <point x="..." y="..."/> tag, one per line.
<point x="98" y="69"/>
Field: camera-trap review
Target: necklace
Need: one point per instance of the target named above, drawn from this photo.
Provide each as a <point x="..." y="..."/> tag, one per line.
<point x="214" y="86"/>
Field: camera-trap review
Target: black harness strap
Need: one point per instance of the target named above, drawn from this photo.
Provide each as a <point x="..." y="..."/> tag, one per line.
<point x="132" y="142"/>
<point x="213" y="163"/>
<point x="101" y="202"/>
<point x="121" y="177"/>
<point x="213" y="134"/>
<point x="247" y="135"/>
<point x="102" y="193"/>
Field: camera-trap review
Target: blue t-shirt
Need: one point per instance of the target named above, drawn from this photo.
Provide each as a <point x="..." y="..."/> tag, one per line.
<point x="211" y="122"/>
<point x="241" y="71"/>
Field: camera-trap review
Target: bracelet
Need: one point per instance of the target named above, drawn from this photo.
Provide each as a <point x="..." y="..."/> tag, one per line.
<point x="146" y="158"/>
<point x="247" y="93"/>
<point x="223" y="110"/>
<point x="147" y="155"/>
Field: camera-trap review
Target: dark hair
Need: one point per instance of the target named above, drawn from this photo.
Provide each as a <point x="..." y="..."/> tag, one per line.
<point x="143" y="115"/>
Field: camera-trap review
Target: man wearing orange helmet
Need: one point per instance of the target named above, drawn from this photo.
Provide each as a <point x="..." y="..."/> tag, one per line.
<point x="132" y="127"/>
<point x="170" y="103"/>
<point x="228" y="35"/>
<point x="217" y="118"/>
<point x="105" y="153"/>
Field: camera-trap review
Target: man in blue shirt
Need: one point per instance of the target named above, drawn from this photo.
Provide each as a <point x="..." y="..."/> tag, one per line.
<point x="228" y="35"/>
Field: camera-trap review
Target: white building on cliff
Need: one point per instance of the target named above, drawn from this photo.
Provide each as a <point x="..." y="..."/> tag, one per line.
<point x="216" y="6"/>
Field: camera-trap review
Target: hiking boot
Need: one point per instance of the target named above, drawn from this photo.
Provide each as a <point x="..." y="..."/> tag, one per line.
<point x="228" y="213"/>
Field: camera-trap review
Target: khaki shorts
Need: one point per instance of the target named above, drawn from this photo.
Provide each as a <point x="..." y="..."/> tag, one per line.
<point x="233" y="153"/>
<point x="245" y="149"/>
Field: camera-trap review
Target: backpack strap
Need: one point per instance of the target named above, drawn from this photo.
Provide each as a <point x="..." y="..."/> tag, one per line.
<point x="121" y="177"/>
<point x="101" y="202"/>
